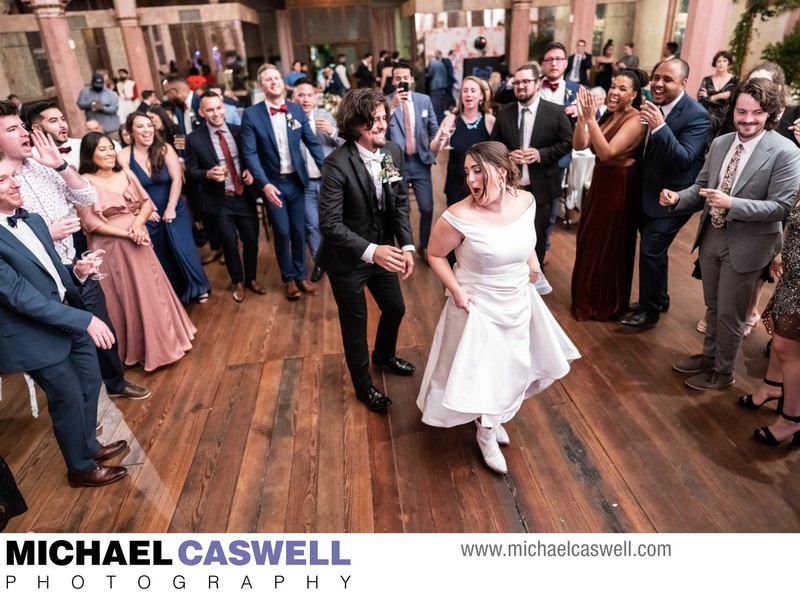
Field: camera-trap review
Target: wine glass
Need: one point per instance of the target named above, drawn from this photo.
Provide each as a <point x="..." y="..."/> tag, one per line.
<point x="95" y="257"/>
<point x="448" y="130"/>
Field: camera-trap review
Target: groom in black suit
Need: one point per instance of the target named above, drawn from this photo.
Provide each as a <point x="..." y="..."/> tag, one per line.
<point x="363" y="208"/>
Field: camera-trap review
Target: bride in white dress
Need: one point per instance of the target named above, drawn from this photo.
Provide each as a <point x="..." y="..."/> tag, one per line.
<point x="496" y="343"/>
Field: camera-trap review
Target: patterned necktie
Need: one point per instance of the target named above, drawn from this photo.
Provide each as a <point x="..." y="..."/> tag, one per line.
<point x="718" y="214"/>
<point x="19" y="214"/>
<point x="411" y="145"/>
<point x="576" y="67"/>
<point x="238" y="186"/>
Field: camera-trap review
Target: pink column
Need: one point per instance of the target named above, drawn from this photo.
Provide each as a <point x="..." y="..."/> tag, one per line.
<point x="702" y="39"/>
<point x="584" y="13"/>
<point x="64" y="67"/>
<point x="135" y="46"/>
<point x="520" y="33"/>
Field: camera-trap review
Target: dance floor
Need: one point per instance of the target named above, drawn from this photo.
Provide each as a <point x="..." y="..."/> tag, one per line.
<point x="258" y="429"/>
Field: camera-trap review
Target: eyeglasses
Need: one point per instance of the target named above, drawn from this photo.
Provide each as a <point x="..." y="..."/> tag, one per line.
<point x="554" y="60"/>
<point x="524" y="82"/>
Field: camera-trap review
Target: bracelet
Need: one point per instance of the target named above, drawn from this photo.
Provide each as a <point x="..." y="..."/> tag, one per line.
<point x="62" y="167"/>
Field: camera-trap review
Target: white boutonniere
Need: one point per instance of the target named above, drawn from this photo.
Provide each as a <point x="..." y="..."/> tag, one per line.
<point x="389" y="173"/>
<point x="569" y="94"/>
<point x="424" y="113"/>
<point x="292" y="123"/>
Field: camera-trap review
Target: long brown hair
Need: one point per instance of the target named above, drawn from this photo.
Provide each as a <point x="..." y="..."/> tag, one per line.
<point x="157" y="150"/>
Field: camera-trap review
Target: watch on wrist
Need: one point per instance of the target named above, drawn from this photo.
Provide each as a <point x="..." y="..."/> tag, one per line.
<point x="63" y="166"/>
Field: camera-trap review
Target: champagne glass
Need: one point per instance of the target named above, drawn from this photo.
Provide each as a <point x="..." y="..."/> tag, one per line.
<point x="448" y="129"/>
<point x="179" y="142"/>
<point x="95" y="257"/>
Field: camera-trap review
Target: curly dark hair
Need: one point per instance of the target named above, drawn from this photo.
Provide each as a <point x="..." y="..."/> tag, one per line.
<point x="357" y="109"/>
<point x="497" y="155"/>
<point x="766" y="93"/>
<point x="88" y="147"/>
<point x="724" y="54"/>
<point x="639" y="78"/>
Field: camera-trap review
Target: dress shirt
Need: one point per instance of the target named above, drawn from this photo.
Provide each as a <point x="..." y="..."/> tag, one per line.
<point x="73" y="157"/>
<point x="747" y="151"/>
<point x="556" y="96"/>
<point x="188" y="112"/>
<point x="48" y="195"/>
<point x="526" y="134"/>
<point x="311" y="166"/>
<point x="341" y="70"/>
<point x="666" y="109"/>
<point x="279" y="128"/>
<point x="575" y="73"/>
<point x="31" y="241"/>
<point x="374" y="169"/>
<point x="221" y="156"/>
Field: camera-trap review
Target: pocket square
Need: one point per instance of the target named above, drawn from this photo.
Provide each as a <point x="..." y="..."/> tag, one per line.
<point x="424" y="113"/>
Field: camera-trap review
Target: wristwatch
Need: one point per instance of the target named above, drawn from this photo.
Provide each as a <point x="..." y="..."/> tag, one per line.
<point x="62" y="167"/>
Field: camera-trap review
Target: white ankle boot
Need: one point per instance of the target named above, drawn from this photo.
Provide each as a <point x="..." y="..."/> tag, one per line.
<point x="502" y="435"/>
<point x="487" y="441"/>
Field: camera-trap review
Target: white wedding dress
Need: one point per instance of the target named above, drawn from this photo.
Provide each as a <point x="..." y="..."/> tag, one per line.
<point x="484" y="363"/>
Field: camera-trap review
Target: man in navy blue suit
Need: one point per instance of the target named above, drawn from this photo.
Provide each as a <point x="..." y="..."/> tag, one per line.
<point x="271" y="135"/>
<point x="673" y="156"/>
<point x="413" y="125"/>
<point x="48" y="333"/>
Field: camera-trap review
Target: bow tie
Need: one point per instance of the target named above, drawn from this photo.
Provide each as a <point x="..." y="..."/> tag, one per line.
<point x="274" y="110"/>
<point x="65" y="150"/>
<point x="376" y="157"/>
<point x="550" y="85"/>
<point x="19" y="214"/>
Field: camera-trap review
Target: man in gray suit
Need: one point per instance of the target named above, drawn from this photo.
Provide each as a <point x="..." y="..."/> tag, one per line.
<point x="746" y="188"/>
<point x="324" y="126"/>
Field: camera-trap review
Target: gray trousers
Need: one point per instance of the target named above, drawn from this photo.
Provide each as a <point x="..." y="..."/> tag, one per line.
<point x="727" y="297"/>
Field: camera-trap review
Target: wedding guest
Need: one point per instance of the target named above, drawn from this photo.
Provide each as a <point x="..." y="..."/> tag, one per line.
<point x="715" y="90"/>
<point x="100" y="104"/>
<point x="152" y="326"/>
<point x="604" y="66"/>
<point x="155" y="164"/>
<point x="605" y="247"/>
<point x="496" y="343"/>
<point x="782" y="319"/>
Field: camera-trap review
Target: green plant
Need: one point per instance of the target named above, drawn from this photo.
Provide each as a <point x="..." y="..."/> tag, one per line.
<point x="786" y="53"/>
<point x="762" y="9"/>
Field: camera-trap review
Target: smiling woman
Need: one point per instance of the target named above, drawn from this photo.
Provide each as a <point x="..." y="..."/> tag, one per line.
<point x="152" y="327"/>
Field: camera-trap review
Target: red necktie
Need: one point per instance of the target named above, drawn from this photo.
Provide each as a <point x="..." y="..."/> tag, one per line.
<point x="274" y="110"/>
<point x="411" y="145"/>
<point x="65" y="150"/>
<point x="238" y="186"/>
<point x="550" y="85"/>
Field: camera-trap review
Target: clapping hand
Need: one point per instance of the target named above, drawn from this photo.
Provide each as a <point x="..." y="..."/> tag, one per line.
<point x="586" y="105"/>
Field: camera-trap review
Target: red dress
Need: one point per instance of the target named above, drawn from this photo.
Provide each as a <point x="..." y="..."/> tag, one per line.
<point x="605" y="246"/>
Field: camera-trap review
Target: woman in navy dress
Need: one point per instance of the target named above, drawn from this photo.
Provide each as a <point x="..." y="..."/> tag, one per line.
<point x="468" y="125"/>
<point x="155" y="164"/>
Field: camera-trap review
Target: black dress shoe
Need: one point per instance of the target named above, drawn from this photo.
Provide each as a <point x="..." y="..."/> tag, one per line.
<point x="110" y="450"/>
<point x="396" y="365"/>
<point x="663" y="307"/>
<point x="99" y="477"/>
<point x="374" y="399"/>
<point x="641" y="319"/>
<point x="131" y="392"/>
<point x="317" y="274"/>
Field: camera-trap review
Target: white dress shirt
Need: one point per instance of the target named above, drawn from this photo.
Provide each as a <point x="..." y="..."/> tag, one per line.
<point x="556" y="96"/>
<point x="747" y="152"/>
<point x="279" y="128"/>
<point x="221" y="156"/>
<point x="525" y="179"/>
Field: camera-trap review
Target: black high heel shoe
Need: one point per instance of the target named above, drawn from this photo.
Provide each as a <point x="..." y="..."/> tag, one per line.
<point x="765" y="436"/>
<point x="747" y="401"/>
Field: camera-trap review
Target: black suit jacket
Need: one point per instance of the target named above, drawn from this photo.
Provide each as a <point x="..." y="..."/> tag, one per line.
<point x="551" y="135"/>
<point x="200" y="157"/>
<point x="364" y="76"/>
<point x="349" y="216"/>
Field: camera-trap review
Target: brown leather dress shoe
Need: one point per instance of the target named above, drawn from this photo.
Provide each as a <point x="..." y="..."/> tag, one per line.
<point x="255" y="287"/>
<point x="131" y="392"/>
<point x="308" y="288"/>
<point x="292" y="292"/>
<point x="99" y="477"/>
<point x="212" y="256"/>
<point x="110" y="450"/>
<point x="238" y="292"/>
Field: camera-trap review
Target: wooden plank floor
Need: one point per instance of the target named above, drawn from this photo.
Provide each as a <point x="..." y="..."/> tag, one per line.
<point x="258" y="429"/>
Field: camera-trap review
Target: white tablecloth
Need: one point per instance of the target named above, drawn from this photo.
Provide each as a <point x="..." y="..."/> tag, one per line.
<point x="579" y="177"/>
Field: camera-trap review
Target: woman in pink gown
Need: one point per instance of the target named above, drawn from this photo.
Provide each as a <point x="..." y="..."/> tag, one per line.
<point x="152" y="327"/>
